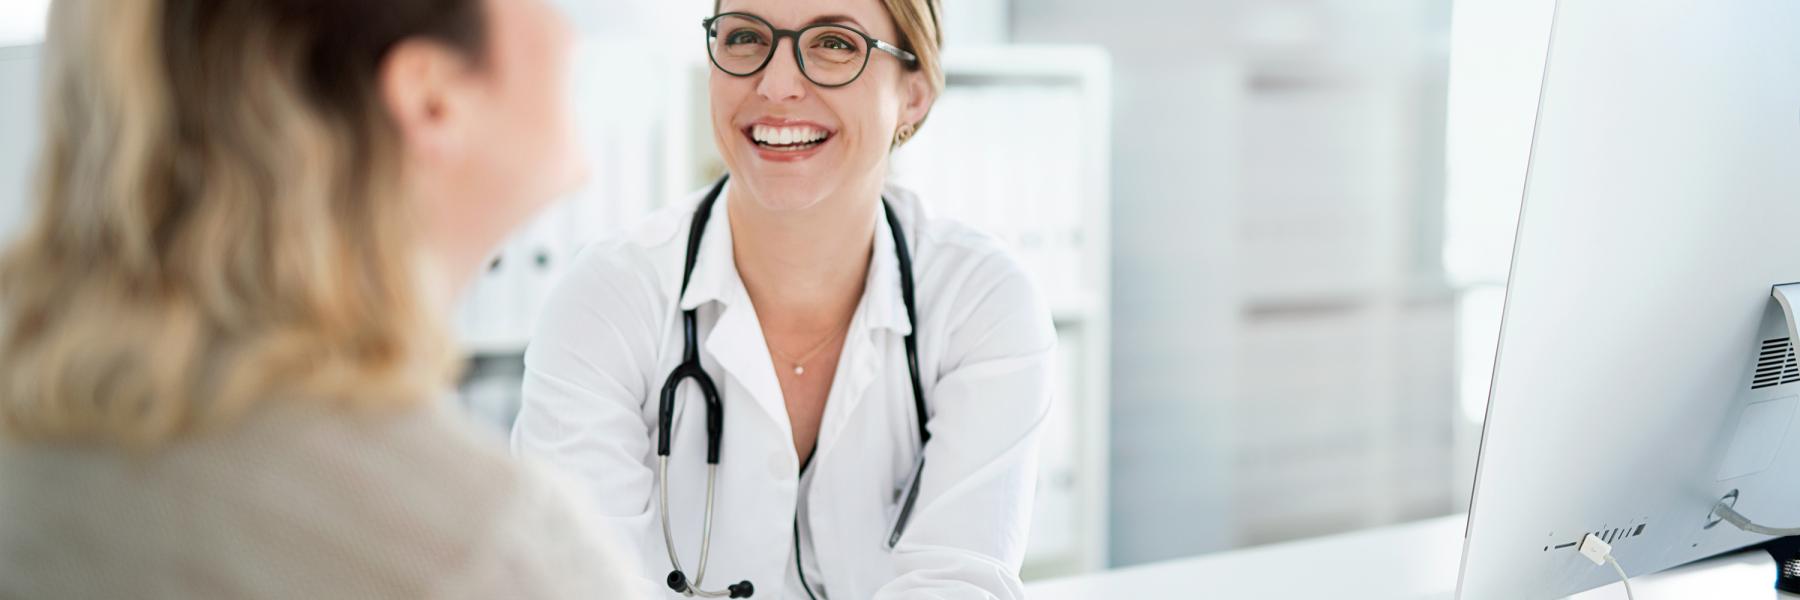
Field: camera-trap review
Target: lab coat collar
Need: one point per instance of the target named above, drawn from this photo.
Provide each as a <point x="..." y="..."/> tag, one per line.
<point x="736" y="340"/>
<point x="716" y="278"/>
<point x="881" y="292"/>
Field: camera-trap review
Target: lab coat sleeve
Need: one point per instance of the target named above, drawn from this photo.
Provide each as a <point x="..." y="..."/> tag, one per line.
<point x="968" y="532"/>
<point x="582" y="408"/>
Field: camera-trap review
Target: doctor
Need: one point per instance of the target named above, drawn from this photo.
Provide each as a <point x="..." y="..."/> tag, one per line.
<point x="870" y="380"/>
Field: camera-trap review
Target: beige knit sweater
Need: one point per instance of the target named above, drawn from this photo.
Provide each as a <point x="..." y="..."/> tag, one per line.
<point x="298" y="502"/>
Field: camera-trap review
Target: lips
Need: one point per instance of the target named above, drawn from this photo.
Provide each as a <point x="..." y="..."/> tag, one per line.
<point x="782" y="139"/>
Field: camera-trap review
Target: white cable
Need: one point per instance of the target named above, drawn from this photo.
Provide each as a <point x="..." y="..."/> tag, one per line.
<point x="1738" y="520"/>
<point x="1597" y="550"/>
<point x="1622" y="576"/>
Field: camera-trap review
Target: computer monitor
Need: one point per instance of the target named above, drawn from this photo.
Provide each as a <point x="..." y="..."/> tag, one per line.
<point x="1645" y="367"/>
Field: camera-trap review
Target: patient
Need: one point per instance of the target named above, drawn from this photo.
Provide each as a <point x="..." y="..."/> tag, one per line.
<point x="222" y="340"/>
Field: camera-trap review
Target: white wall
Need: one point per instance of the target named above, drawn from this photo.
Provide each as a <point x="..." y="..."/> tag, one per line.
<point x="18" y="133"/>
<point x="22" y="21"/>
<point x="1496" y="72"/>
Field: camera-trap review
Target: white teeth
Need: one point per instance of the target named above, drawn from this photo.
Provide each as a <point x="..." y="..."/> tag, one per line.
<point x="786" y="136"/>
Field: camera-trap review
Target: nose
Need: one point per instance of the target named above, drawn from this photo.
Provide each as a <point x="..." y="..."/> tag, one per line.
<point x="782" y="79"/>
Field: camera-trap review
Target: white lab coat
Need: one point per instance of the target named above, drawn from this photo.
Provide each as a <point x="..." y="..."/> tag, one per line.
<point x="611" y="332"/>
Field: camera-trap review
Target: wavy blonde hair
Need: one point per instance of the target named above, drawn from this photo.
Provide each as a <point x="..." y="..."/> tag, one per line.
<point x="219" y="219"/>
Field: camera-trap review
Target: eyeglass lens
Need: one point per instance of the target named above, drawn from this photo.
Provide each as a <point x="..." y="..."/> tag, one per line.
<point x="830" y="54"/>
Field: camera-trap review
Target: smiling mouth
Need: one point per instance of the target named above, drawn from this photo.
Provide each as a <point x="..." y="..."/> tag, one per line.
<point x="797" y="138"/>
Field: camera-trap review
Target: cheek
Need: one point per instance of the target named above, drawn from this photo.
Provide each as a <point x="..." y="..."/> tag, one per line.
<point x="725" y="94"/>
<point x="542" y="123"/>
<point x="555" y="96"/>
<point x="870" y="114"/>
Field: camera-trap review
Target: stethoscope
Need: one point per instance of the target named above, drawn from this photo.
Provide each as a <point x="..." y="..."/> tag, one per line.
<point x="690" y="369"/>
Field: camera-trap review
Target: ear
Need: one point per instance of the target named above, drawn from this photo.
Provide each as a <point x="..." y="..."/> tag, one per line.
<point x="426" y="91"/>
<point x="916" y="98"/>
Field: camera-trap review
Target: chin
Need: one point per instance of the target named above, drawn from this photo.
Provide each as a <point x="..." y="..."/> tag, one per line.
<point x="779" y="186"/>
<point x="781" y="192"/>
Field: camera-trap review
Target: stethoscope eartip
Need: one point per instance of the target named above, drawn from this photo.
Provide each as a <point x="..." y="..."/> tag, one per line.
<point x="677" y="581"/>
<point x="741" y="589"/>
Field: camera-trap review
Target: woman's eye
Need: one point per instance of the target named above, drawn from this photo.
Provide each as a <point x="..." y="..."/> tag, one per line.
<point x="835" y="43"/>
<point x="743" y="37"/>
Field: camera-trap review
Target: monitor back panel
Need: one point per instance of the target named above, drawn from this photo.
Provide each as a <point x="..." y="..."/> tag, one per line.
<point x="1661" y="205"/>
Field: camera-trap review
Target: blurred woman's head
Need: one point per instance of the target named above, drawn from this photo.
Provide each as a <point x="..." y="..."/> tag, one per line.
<point x="247" y="199"/>
<point x="797" y="135"/>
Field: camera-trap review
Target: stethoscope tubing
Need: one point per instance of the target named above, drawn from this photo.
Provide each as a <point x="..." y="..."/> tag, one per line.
<point x="690" y="369"/>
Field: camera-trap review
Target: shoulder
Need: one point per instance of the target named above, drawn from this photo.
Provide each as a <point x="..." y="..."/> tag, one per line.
<point x="467" y="519"/>
<point x="540" y="544"/>
<point x="969" y="280"/>
<point x="425" y="454"/>
<point x="640" y="255"/>
<point x="630" y="277"/>
<point x="949" y="251"/>
<point x="303" y="491"/>
<point x="934" y="233"/>
<point x="460" y="515"/>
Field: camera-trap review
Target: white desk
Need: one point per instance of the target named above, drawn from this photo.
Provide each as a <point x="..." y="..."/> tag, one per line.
<point x="1416" y="561"/>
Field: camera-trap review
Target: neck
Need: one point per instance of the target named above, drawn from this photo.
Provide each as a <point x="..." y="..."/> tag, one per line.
<point x="804" y="269"/>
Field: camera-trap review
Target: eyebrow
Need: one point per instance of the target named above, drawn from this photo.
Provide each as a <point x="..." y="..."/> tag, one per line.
<point x="835" y="19"/>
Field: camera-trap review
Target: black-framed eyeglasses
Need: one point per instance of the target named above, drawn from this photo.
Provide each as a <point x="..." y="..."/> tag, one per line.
<point x="742" y="44"/>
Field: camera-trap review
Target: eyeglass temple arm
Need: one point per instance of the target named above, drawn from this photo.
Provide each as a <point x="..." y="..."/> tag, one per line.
<point x="896" y="51"/>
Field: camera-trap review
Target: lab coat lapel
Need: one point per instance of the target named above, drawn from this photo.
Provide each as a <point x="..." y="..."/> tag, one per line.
<point x="735" y="342"/>
<point x="880" y="318"/>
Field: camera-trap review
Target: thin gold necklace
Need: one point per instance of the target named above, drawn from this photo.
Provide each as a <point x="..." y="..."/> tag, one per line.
<point x="800" y="363"/>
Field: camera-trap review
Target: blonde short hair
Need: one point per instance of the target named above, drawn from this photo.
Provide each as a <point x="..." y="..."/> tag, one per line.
<point x="219" y="219"/>
<point x="924" y="37"/>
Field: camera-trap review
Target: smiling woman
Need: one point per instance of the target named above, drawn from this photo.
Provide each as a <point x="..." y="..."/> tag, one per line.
<point x="800" y="377"/>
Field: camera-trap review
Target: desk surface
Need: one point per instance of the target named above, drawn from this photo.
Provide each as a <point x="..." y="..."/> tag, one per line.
<point x="1415" y="561"/>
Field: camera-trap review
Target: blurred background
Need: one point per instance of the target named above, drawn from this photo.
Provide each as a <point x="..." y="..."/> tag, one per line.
<point x="1275" y="235"/>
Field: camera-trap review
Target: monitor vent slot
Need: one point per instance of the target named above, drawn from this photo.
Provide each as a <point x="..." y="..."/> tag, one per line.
<point x="1610" y="536"/>
<point x="1776" y="364"/>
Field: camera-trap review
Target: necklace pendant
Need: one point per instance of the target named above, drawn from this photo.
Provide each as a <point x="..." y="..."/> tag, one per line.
<point x="799" y="370"/>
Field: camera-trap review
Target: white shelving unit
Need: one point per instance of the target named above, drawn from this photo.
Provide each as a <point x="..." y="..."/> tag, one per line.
<point x="1283" y="356"/>
<point x="1346" y="333"/>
